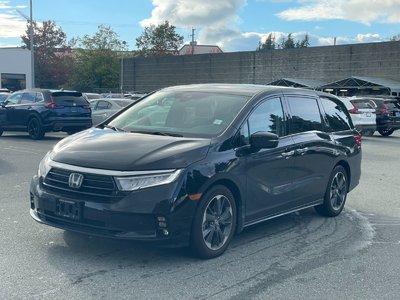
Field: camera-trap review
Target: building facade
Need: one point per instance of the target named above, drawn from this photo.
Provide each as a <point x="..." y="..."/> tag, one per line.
<point x="15" y="68"/>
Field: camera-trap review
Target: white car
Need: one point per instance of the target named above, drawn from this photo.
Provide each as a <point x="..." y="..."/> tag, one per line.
<point x="362" y="114"/>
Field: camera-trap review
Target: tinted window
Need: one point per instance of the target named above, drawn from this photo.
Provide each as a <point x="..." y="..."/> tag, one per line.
<point x="335" y="115"/>
<point x="69" y="98"/>
<point x="268" y="116"/>
<point x="305" y="115"/>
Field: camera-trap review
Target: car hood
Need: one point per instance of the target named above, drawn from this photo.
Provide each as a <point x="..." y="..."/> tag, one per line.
<point x="122" y="151"/>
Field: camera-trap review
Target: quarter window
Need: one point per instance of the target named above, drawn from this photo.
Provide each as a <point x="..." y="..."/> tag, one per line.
<point x="335" y="115"/>
<point x="305" y="115"/>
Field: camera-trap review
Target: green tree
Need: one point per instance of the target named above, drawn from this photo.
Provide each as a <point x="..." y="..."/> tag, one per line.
<point x="96" y="65"/>
<point x="52" y="54"/>
<point x="269" y="43"/>
<point x="288" y="43"/>
<point x="395" y="38"/>
<point x="305" y="42"/>
<point x="158" y="40"/>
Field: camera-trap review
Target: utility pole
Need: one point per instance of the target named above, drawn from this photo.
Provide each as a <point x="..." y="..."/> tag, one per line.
<point x="30" y="21"/>
<point x="192" y="43"/>
<point x="122" y="67"/>
<point x="31" y="46"/>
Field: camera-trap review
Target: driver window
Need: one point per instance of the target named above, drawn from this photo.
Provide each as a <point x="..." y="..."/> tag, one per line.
<point x="268" y="116"/>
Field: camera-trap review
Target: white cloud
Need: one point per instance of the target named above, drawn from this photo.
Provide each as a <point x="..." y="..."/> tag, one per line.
<point x="187" y="13"/>
<point x="361" y="11"/>
<point x="11" y="26"/>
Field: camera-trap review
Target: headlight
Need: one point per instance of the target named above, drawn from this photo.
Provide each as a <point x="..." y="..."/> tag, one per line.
<point x="44" y="166"/>
<point x="145" y="181"/>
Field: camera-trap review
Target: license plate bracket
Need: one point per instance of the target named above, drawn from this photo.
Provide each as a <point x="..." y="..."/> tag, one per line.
<point x="68" y="209"/>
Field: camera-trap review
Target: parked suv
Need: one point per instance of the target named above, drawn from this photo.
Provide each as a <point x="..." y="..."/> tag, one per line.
<point x="38" y="111"/>
<point x="387" y="115"/>
<point x="199" y="163"/>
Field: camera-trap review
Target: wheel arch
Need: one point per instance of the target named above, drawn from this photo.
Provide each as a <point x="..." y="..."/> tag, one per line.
<point x="346" y="166"/>
<point x="237" y="196"/>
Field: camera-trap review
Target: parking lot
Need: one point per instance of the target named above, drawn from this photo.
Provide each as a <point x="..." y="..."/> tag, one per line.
<point x="301" y="255"/>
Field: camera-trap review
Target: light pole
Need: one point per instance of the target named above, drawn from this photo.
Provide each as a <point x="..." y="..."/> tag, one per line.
<point x="30" y="20"/>
<point x="31" y="45"/>
<point x="122" y="67"/>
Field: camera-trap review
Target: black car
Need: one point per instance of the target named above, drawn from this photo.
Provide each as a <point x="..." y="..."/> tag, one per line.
<point x="199" y="163"/>
<point x="38" y="111"/>
<point x="387" y="115"/>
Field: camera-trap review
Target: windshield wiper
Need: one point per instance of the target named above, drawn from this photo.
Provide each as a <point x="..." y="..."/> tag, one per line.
<point x="158" y="133"/>
<point x="114" y="128"/>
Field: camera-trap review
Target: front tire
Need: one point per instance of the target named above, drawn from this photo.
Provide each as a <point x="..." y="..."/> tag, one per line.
<point x="35" y="129"/>
<point x="214" y="223"/>
<point x="386" y="132"/>
<point x="335" y="194"/>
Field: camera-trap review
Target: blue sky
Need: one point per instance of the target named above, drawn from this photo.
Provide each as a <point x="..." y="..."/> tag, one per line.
<point x="234" y="25"/>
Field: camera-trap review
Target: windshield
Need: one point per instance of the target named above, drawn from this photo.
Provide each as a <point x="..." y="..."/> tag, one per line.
<point x="188" y="113"/>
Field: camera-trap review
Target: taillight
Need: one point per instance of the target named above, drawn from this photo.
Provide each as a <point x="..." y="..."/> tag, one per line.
<point x="357" y="139"/>
<point x="384" y="110"/>
<point x="52" y="104"/>
<point x="355" y="110"/>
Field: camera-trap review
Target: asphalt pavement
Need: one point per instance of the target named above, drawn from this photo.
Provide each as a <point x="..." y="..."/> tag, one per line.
<point x="298" y="256"/>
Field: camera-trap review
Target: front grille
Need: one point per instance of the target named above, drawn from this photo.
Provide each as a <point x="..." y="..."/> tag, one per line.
<point x="98" y="188"/>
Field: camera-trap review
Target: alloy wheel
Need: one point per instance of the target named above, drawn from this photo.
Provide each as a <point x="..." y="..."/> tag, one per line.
<point x="217" y="222"/>
<point x="338" y="191"/>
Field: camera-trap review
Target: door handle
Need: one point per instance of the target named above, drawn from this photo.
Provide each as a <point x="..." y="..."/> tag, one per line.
<point x="302" y="151"/>
<point x="287" y="154"/>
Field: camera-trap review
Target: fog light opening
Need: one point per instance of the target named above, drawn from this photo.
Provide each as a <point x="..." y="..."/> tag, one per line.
<point x="32" y="202"/>
<point x="165" y="232"/>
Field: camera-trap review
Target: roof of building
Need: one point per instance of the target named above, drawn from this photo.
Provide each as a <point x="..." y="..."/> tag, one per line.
<point x="364" y="82"/>
<point x="198" y="49"/>
<point x="297" y="82"/>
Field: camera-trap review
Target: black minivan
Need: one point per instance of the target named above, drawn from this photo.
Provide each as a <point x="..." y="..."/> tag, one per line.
<point x="199" y="163"/>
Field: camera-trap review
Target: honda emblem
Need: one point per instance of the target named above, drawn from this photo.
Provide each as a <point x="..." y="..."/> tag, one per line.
<point x="75" y="180"/>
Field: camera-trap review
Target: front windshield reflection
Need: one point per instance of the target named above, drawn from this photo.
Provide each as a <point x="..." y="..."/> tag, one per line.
<point x="188" y="114"/>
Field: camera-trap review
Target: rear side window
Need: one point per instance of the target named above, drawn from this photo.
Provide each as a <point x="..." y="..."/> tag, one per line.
<point x="362" y="104"/>
<point x="392" y="104"/>
<point x="306" y="115"/>
<point x="336" y="117"/>
<point x="29" y="97"/>
<point x="69" y="99"/>
<point x="103" y="105"/>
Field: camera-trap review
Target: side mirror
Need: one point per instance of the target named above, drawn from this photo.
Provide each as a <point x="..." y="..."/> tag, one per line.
<point x="264" y="140"/>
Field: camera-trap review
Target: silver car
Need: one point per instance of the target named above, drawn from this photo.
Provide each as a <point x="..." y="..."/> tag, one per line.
<point x="104" y="108"/>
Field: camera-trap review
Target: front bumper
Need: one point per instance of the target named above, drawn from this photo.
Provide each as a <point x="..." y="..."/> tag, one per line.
<point x="144" y="215"/>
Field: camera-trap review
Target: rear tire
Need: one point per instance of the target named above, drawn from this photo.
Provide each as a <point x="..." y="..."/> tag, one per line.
<point x="335" y="194"/>
<point x="386" y="132"/>
<point x="35" y="129"/>
<point x="214" y="223"/>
